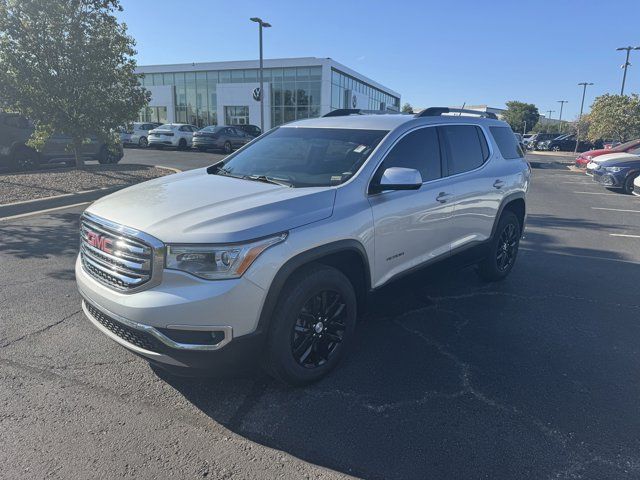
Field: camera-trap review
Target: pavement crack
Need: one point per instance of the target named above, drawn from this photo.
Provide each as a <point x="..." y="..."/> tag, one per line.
<point x="41" y="330"/>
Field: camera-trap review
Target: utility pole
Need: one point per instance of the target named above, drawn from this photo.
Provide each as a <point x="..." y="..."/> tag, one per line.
<point x="262" y="25"/>
<point x="561" y="102"/>
<point x="584" y="92"/>
<point x="626" y="64"/>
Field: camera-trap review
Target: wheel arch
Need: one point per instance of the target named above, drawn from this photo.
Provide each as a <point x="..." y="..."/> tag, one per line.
<point x="347" y="256"/>
<point x="515" y="203"/>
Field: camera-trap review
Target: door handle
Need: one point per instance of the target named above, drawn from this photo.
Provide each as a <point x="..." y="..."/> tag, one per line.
<point x="442" y="197"/>
<point x="498" y="183"/>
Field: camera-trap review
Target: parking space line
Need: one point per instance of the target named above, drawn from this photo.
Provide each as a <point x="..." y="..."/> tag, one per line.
<point x="576" y="255"/>
<point x="599" y="193"/>
<point x="624" y="235"/>
<point x="616" y="209"/>
<point x="40" y="212"/>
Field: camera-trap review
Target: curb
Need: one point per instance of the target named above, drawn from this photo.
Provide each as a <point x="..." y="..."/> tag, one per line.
<point x="171" y="169"/>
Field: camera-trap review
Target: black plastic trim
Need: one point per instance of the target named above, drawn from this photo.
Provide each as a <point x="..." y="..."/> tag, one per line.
<point x="505" y="201"/>
<point x="438" y="111"/>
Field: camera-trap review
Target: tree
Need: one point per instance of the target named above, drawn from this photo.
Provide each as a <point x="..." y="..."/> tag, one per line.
<point x="517" y="113"/>
<point x="68" y="66"/>
<point x="615" y="117"/>
<point x="407" y="108"/>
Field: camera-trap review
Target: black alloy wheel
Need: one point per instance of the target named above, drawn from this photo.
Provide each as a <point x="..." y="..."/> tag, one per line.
<point x="319" y="329"/>
<point x="507" y="247"/>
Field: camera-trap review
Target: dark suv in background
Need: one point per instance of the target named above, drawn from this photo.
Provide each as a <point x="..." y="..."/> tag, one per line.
<point x="15" y="131"/>
<point x="567" y="143"/>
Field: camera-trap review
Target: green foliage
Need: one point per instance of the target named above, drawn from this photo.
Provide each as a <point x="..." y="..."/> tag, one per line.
<point x="517" y="113"/>
<point x="68" y="65"/>
<point x="407" y="108"/>
<point x="615" y="117"/>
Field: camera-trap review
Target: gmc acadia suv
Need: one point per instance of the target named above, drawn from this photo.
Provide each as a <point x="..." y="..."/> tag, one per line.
<point x="270" y="254"/>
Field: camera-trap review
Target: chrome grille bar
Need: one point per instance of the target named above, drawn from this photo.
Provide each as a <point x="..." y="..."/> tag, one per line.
<point x="119" y="257"/>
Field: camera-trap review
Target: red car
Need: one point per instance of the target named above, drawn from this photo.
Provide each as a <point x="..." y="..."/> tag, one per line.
<point x="632" y="147"/>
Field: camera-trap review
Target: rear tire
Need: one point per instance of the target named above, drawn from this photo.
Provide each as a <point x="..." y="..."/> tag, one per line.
<point x="25" y="159"/>
<point x="227" y="148"/>
<point x="555" y="149"/>
<point x="312" y="326"/>
<point x="143" y="142"/>
<point x="503" y="249"/>
<point x="182" y="144"/>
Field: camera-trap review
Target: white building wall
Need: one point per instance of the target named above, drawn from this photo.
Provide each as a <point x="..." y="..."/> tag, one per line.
<point x="241" y="94"/>
<point x="162" y="96"/>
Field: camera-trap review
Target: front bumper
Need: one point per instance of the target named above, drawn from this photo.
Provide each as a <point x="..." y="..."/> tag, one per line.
<point x="165" y="324"/>
<point x="606" y="179"/>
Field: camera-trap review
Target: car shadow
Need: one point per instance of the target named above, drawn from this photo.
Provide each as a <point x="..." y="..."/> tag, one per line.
<point x="454" y="378"/>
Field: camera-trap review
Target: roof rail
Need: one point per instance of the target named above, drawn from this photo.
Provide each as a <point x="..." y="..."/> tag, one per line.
<point x="437" y="111"/>
<point x="343" y="112"/>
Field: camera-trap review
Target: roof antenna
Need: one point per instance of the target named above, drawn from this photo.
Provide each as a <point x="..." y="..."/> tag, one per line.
<point x="463" y="105"/>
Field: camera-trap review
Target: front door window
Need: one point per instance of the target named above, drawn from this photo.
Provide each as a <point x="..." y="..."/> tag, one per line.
<point x="236" y="115"/>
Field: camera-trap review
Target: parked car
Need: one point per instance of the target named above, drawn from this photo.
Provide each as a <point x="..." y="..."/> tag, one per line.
<point x="178" y="135"/>
<point x="520" y="140"/>
<point x="528" y="138"/>
<point x="251" y="130"/>
<point x="222" y="138"/>
<point x="636" y="186"/>
<point x="617" y="171"/>
<point x="566" y="143"/>
<point x="268" y="256"/>
<point x="540" y="138"/>
<point x="15" y="155"/>
<point x="137" y="134"/>
<point x="632" y="146"/>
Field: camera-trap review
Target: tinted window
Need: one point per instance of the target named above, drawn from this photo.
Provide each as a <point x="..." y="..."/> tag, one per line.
<point x="419" y="150"/>
<point x="506" y="140"/>
<point x="306" y="157"/>
<point x="466" y="146"/>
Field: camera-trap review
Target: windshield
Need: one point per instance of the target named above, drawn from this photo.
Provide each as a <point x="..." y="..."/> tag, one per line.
<point x="626" y="145"/>
<point x="305" y="157"/>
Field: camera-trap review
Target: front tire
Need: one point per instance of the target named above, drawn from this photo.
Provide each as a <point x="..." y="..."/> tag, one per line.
<point x="143" y="142"/>
<point x="628" y="185"/>
<point x="555" y="149"/>
<point x="312" y="326"/>
<point x="227" y="148"/>
<point x="503" y="249"/>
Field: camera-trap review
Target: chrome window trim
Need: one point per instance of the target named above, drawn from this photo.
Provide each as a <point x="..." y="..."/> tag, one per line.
<point x="158" y="250"/>
<point x="226" y="329"/>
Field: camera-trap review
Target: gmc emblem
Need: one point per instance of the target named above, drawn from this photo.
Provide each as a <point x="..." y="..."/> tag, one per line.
<point x="98" y="241"/>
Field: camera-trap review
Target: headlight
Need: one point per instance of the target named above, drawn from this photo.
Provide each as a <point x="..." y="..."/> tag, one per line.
<point x="589" y="157"/>
<point x="217" y="262"/>
<point x="613" y="169"/>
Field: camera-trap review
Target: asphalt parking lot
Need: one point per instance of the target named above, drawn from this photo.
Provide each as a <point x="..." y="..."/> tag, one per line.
<point x="534" y="377"/>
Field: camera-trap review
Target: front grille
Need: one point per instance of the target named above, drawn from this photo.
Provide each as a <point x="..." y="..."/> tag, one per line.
<point x="113" y="257"/>
<point x="130" y="335"/>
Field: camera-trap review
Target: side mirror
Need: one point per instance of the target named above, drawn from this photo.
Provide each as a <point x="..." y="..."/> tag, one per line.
<point x="398" y="178"/>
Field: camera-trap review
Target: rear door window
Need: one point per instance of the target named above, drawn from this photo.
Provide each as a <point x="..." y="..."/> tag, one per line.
<point x="466" y="147"/>
<point x="506" y="140"/>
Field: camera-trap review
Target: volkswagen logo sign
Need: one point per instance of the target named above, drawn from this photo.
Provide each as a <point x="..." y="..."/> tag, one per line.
<point x="257" y="94"/>
<point x="354" y="101"/>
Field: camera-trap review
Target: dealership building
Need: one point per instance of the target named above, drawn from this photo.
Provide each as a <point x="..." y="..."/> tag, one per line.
<point x="227" y="93"/>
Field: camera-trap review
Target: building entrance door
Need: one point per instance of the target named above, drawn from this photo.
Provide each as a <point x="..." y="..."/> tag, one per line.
<point x="236" y="115"/>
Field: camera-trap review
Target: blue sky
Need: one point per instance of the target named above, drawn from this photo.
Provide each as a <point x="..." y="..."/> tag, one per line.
<point x="433" y="53"/>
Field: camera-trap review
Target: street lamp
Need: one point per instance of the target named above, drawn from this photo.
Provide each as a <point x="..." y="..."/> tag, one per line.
<point x="262" y="25"/>
<point x="584" y="91"/>
<point x="626" y="64"/>
<point x="561" y="102"/>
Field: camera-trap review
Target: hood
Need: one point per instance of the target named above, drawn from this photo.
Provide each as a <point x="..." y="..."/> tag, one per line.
<point x="196" y="207"/>
<point x="595" y="153"/>
<point x="616" y="157"/>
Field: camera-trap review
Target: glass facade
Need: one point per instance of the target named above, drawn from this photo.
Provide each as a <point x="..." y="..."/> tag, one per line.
<point x="342" y="83"/>
<point x="295" y="93"/>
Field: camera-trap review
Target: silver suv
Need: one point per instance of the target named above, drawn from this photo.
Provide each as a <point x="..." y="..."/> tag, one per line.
<point x="271" y="253"/>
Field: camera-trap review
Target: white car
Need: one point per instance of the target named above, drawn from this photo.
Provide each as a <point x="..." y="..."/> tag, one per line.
<point x="137" y="134"/>
<point x="636" y="186"/>
<point x="269" y="255"/>
<point x="178" y="135"/>
<point x="596" y="162"/>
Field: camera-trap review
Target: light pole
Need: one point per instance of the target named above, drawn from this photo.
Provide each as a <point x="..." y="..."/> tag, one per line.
<point x="626" y="64"/>
<point x="584" y="92"/>
<point x="262" y="25"/>
<point x="561" y="102"/>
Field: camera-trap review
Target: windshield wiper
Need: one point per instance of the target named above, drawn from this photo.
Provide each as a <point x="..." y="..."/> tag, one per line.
<point x="266" y="179"/>
<point x="224" y="172"/>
